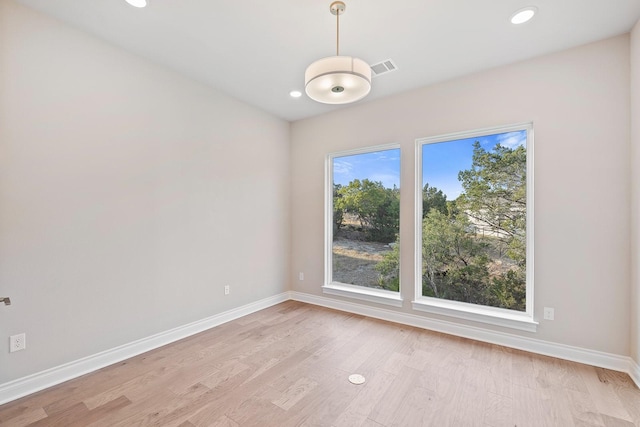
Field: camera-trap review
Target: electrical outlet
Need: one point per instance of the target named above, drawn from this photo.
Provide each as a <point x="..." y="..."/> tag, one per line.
<point x="226" y="290"/>
<point x="17" y="342"/>
<point x="301" y="276"/>
<point x="549" y="313"/>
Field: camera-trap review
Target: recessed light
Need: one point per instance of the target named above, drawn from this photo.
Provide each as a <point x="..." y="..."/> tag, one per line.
<point x="295" y="94"/>
<point x="137" y="3"/>
<point x="523" y="15"/>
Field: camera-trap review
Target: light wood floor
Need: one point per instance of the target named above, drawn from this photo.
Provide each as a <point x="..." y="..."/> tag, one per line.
<point x="288" y="365"/>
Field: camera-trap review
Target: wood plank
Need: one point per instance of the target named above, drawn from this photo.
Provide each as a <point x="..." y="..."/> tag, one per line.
<point x="358" y="410"/>
<point x="603" y="393"/>
<point x="23" y="418"/>
<point x="295" y="393"/>
<point x="384" y="412"/>
<point x="498" y="411"/>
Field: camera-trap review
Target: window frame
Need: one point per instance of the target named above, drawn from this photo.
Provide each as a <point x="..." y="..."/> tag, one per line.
<point x="469" y="311"/>
<point x="380" y="296"/>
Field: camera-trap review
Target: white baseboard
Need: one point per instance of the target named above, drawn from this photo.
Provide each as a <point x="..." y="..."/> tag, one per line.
<point x="50" y="377"/>
<point x="576" y="354"/>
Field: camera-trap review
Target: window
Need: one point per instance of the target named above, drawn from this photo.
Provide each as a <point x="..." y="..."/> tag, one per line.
<point x="474" y="220"/>
<point x="362" y="224"/>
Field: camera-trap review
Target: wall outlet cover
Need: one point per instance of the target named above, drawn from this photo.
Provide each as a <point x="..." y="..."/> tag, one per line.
<point x="549" y="313"/>
<point x="17" y="342"/>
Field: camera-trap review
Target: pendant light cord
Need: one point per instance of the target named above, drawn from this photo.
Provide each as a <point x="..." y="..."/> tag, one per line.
<point x="338" y="33"/>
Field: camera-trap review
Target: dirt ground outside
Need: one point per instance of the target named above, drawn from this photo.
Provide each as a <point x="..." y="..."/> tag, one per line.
<point x="354" y="261"/>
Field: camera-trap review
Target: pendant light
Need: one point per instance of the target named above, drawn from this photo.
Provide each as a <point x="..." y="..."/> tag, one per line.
<point x="337" y="79"/>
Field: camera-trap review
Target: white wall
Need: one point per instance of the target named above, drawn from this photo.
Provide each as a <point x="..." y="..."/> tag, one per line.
<point x="579" y="102"/>
<point x="635" y="193"/>
<point x="129" y="196"/>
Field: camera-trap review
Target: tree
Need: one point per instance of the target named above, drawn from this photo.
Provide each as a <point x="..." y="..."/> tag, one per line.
<point x="376" y="207"/>
<point x="454" y="265"/>
<point x="510" y="290"/>
<point x="385" y="223"/>
<point x="432" y="198"/>
<point x="338" y="212"/>
<point x="495" y="196"/>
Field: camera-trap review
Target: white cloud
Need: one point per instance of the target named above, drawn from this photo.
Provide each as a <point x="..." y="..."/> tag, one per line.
<point x="512" y="139"/>
<point x="342" y="167"/>
<point x="387" y="155"/>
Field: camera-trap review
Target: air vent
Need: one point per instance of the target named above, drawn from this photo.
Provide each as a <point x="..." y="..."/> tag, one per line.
<point x="383" y="67"/>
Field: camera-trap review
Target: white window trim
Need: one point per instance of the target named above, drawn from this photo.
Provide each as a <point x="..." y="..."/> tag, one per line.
<point x="478" y="313"/>
<point x="380" y="296"/>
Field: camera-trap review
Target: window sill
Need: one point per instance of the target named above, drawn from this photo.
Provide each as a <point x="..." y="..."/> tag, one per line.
<point x="379" y="296"/>
<point x="493" y="316"/>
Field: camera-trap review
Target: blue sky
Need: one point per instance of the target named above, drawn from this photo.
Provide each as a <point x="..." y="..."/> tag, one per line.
<point x="441" y="162"/>
<point x="383" y="166"/>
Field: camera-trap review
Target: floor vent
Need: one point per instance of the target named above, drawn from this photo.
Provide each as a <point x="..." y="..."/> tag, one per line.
<point x="383" y="67"/>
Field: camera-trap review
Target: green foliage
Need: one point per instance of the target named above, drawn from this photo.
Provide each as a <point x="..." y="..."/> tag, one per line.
<point x="432" y="198"/>
<point x="454" y="265"/>
<point x="509" y="290"/>
<point x="338" y="213"/>
<point x="495" y="195"/>
<point x="376" y="207"/>
<point x="389" y="268"/>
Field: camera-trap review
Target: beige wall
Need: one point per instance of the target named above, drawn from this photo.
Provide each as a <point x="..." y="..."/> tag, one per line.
<point x="129" y="196"/>
<point x="579" y="102"/>
<point x="635" y="193"/>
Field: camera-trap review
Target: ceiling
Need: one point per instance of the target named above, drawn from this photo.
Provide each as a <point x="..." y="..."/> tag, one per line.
<point x="257" y="51"/>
